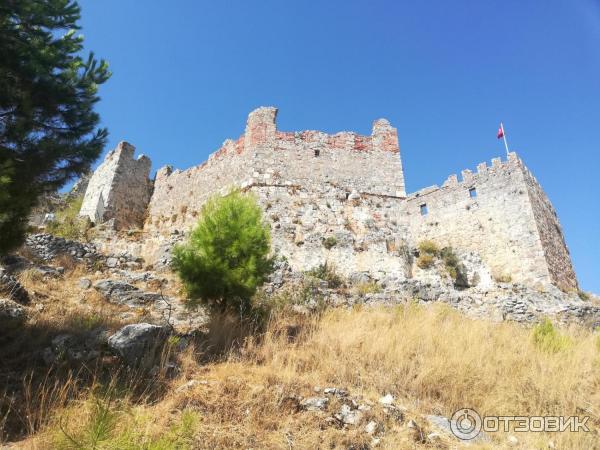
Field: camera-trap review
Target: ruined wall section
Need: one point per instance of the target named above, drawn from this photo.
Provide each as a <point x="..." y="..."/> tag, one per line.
<point x="119" y="189"/>
<point x="179" y="194"/>
<point x="356" y="235"/>
<point x="264" y="156"/>
<point x="498" y="222"/>
<point x="551" y="235"/>
<point x="366" y="164"/>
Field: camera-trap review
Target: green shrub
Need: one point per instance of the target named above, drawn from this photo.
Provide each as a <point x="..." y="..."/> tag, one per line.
<point x="329" y="242"/>
<point x="428" y="247"/>
<point x="454" y="267"/>
<point x="68" y="224"/>
<point x="326" y="272"/>
<point x="425" y="261"/>
<point x="113" y="424"/>
<point x="226" y="257"/>
<point x="547" y="338"/>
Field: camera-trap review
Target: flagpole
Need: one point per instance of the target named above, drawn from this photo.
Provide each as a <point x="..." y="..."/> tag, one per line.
<point x="504" y="137"/>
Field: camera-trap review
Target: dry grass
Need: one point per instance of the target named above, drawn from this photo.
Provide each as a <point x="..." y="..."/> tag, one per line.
<point x="433" y="360"/>
<point x="30" y="390"/>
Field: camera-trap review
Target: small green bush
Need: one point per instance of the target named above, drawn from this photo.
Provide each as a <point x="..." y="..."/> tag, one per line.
<point x="113" y="424"/>
<point x="454" y="267"/>
<point x="425" y="261"/>
<point x="547" y="338"/>
<point x="326" y="272"/>
<point x="226" y="257"/>
<point x="329" y="242"/>
<point x="428" y="247"/>
<point x="68" y="224"/>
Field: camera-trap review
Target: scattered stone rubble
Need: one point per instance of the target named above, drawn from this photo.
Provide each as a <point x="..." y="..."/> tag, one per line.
<point x="47" y="247"/>
<point x="12" y="316"/>
<point x="80" y="348"/>
<point x="11" y="288"/>
<point x="167" y="311"/>
<point x="483" y="297"/>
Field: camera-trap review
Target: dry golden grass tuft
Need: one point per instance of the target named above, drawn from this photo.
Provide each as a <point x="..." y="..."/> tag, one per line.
<point x="432" y="359"/>
<point x="29" y="390"/>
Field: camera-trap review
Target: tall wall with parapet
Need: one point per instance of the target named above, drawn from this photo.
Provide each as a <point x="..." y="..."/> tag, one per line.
<point x="119" y="189"/>
<point x="264" y="156"/>
<point x="506" y="219"/>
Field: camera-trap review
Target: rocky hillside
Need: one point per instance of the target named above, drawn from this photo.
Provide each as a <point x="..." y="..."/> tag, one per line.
<point x="98" y="351"/>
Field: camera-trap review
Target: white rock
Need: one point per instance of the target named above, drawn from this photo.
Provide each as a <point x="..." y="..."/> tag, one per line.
<point x="315" y="403"/>
<point x="112" y="262"/>
<point x="387" y="399"/>
<point x="371" y="427"/>
<point x="138" y="344"/>
<point x="349" y="416"/>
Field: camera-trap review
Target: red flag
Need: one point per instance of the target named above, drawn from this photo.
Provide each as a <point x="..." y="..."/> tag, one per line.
<point x="500" y="132"/>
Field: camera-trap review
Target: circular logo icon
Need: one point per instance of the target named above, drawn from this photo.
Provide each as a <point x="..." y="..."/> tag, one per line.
<point x="465" y="424"/>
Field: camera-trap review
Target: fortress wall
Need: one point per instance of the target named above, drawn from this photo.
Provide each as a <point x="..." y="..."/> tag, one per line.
<point x="179" y="194"/>
<point x="264" y="156"/>
<point x="556" y="251"/>
<point x="367" y="164"/>
<point x="119" y="189"/>
<point x="367" y="233"/>
<point x="499" y="223"/>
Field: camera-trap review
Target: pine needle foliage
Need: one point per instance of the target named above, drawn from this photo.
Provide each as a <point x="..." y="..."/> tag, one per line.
<point x="48" y="91"/>
<point x="226" y="257"/>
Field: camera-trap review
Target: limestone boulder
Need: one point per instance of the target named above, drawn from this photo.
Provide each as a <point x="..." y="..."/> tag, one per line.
<point x="123" y="293"/>
<point x="139" y="345"/>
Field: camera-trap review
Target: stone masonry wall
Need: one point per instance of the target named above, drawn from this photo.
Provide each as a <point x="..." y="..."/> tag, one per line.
<point x="367" y="164"/>
<point x="556" y="251"/>
<point x="119" y="189"/>
<point x="179" y="195"/>
<point x="356" y="234"/>
<point x="500" y="222"/>
<point x="264" y="156"/>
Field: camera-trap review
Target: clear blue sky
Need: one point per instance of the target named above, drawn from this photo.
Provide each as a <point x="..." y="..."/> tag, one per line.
<point x="186" y="74"/>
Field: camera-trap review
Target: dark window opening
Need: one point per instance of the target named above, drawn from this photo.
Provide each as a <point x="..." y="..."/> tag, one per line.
<point x="473" y="192"/>
<point x="424" y="210"/>
<point x="317" y="153"/>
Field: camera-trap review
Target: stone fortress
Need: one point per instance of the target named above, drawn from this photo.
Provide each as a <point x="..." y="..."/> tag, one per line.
<point x="340" y="199"/>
